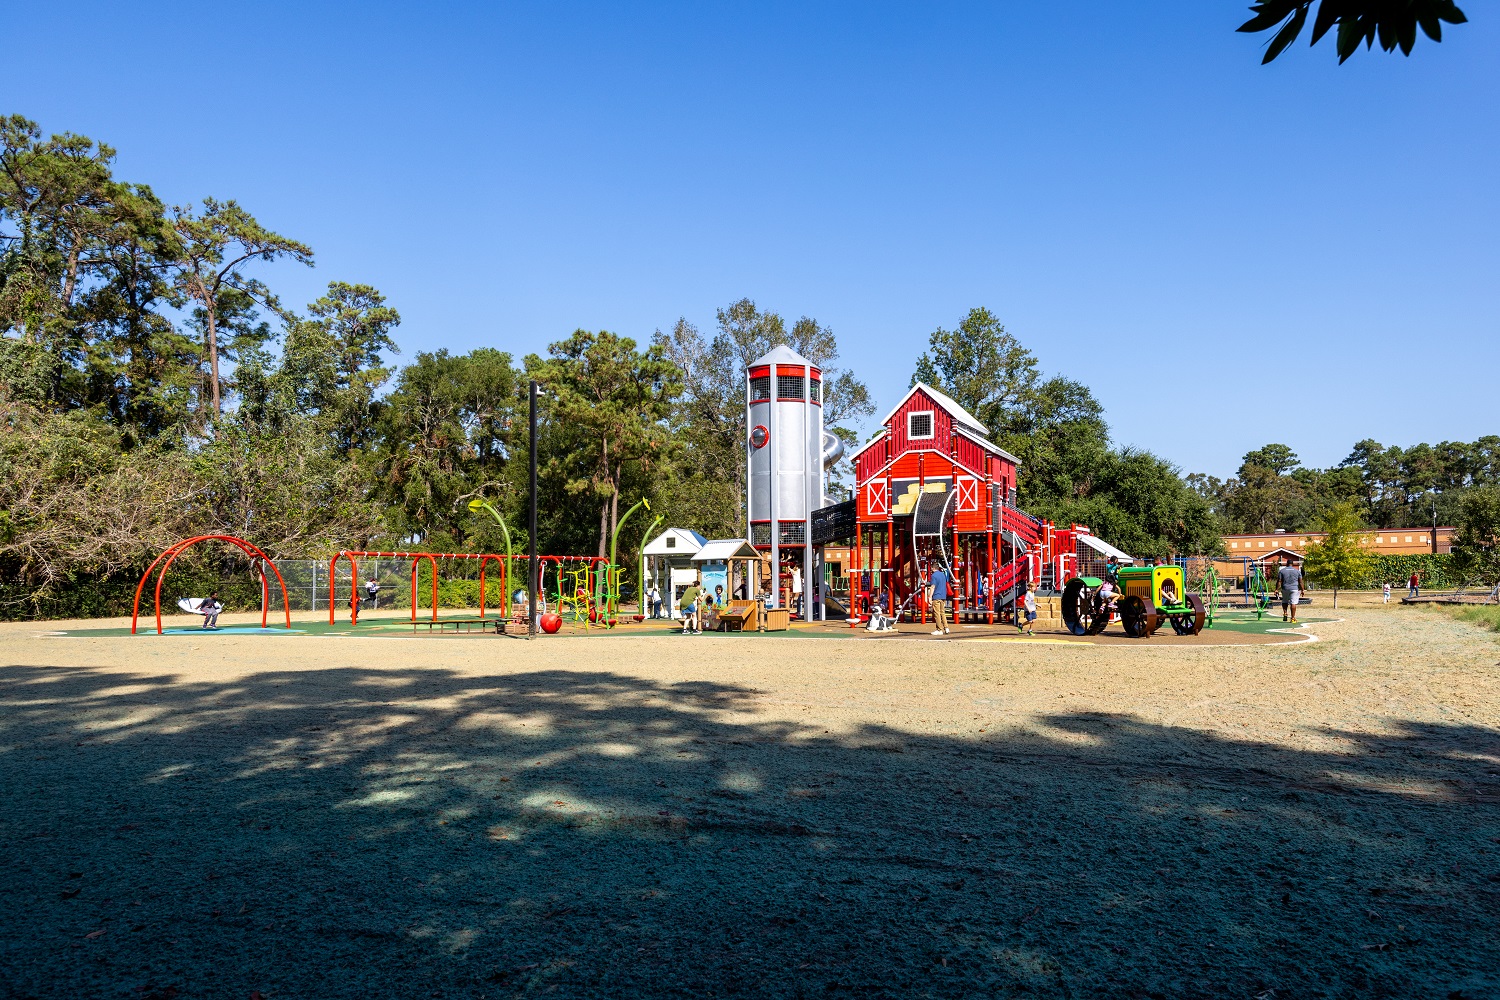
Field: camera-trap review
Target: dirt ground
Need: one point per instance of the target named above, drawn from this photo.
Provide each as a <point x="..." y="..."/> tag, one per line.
<point x="644" y="816"/>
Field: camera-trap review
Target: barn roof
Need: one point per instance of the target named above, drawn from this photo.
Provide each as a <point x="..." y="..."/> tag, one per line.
<point x="947" y="402"/>
<point x="989" y="445"/>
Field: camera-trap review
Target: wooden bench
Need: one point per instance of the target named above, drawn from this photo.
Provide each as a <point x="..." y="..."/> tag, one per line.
<point x="739" y="616"/>
<point x="461" y="625"/>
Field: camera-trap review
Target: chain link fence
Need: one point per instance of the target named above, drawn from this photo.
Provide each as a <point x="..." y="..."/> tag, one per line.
<point x="308" y="587"/>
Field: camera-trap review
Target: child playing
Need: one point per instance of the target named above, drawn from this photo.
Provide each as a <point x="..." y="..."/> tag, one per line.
<point x="879" y="620"/>
<point x="210" y="609"/>
<point x="1028" y="603"/>
<point x="1168" y="593"/>
<point x="1385" y="593"/>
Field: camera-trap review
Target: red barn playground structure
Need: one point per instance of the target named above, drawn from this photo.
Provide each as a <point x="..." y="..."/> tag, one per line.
<point x="932" y="490"/>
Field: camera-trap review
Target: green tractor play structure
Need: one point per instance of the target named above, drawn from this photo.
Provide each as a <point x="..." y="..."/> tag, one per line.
<point x="1147" y="596"/>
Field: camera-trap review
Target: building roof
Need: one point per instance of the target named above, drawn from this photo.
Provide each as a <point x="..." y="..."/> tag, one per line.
<point x="781" y="355"/>
<point x="942" y="399"/>
<point x="989" y="445"/>
<point x="1280" y="550"/>
<point x="725" y="549"/>
<point x="685" y="542"/>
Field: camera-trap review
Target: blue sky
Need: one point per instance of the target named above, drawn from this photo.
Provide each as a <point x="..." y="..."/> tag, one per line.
<point x="1228" y="254"/>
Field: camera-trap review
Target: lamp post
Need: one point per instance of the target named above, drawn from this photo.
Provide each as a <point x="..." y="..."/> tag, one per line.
<point x="1433" y="537"/>
<point x="531" y="575"/>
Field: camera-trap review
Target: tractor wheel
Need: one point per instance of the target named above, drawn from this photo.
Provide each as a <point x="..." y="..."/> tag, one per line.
<point x="1134" y="617"/>
<point x="1200" y="615"/>
<point x="1191" y="623"/>
<point x="1077" y="598"/>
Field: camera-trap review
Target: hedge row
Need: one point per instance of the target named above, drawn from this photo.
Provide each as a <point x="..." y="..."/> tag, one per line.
<point x="1435" y="570"/>
<point x="111" y="597"/>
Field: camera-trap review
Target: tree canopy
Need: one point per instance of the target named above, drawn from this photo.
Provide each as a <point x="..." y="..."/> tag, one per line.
<point x="1341" y="560"/>
<point x="1389" y="486"/>
<point x="1393" y="23"/>
<point x="1070" y="471"/>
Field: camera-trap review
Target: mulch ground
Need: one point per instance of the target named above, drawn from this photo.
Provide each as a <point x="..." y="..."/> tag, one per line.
<point x="239" y="815"/>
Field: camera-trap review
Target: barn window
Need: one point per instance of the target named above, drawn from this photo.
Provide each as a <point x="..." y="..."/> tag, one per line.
<point x="671" y="542"/>
<point x="919" y="425"/>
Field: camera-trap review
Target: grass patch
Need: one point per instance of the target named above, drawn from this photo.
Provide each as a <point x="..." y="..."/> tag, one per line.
<point x="1484" y="615"/>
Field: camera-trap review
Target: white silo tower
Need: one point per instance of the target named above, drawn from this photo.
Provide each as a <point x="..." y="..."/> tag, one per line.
<point x="788" y="452"/>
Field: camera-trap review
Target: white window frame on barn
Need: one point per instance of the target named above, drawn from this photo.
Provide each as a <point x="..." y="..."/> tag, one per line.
<point x="931" y="425"/>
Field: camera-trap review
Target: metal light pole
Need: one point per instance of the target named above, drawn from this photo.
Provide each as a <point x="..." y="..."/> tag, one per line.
<point x="531" y="575"/>
<point x="1433" y="536"/>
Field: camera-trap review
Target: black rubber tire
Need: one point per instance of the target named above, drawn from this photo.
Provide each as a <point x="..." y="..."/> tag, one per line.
<point x="1075" y="594"/>
<point x="1199" y="614"/>
<point x="1133" y="617"/>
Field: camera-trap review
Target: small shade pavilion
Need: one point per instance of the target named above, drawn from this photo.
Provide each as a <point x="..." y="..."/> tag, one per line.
<point x="717" y="559"/>
<point x="669" y="561"/>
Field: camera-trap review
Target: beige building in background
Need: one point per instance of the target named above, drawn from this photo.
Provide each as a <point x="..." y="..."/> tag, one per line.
<point x="1381" y="541"/>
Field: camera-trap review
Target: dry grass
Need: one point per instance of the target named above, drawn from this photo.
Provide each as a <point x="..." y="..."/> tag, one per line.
<point x="312" y="817"/>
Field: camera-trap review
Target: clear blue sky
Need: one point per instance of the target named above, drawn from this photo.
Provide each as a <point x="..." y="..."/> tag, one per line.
<point x="1143" y="204"/>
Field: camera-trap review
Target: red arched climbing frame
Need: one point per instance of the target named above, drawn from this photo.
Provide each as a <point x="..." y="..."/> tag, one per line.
<point x="170" y="556"/>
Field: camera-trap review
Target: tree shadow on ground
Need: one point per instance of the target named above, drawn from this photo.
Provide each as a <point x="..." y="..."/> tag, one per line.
<point x="588" y="834"/>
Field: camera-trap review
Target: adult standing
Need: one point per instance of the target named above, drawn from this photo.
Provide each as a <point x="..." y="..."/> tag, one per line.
<point x="654" y="599"/>
<point x="688" y="605"/>
<point x="1291" y="588"/>
<point x="939" y="592"/>
<point x="1413" y="586"/>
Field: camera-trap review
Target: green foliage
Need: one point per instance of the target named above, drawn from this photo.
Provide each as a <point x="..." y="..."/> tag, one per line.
<point x="1486" y="616"/>
<point x="1390" y="487"/>
<point x="985" y="369"/>
<point x="1340" y="560"/>
<point x="708" y="478"/>
<point x="1476" y="546"/>
<point x="1435" y="568"/>
<point x="1069" y="471"/>
<point x="608" y="407"/>
<point x="1393" y="22"/>
<point x="449" y="428"/>
<point x="211" y="250"/>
